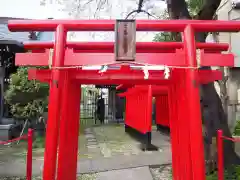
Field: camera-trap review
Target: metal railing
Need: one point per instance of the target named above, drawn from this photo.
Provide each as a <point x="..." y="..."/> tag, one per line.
<point x="220" y="155"/>
<point x="29" y="138"/>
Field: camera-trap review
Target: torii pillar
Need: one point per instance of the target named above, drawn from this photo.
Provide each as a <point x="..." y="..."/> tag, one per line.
<point x="64" y="106"/>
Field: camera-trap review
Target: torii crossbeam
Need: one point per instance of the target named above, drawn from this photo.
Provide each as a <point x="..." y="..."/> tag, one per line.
<point x="65" y="79"/>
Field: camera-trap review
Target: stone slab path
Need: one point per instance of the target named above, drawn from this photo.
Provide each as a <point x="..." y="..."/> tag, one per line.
<point x="102" y="150"/>
<point x="140" y="173"/>
<point x="91" y="143"/>
<point x="18" y="168"/>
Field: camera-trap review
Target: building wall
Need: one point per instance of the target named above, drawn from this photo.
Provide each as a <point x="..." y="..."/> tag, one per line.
<point x="227" y="12"/>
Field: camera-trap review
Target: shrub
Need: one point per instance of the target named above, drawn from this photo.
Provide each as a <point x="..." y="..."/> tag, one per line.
<point x="27" y="99"/>
<point x="237" y="129"/>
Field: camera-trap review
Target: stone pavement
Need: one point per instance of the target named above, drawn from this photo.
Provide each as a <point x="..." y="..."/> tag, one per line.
<point x="140" y="173"/>
<point x="18" y="168"/>
<point x="104" y="151"/>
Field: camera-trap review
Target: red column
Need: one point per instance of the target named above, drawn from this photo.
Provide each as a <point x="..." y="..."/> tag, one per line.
<point x="54" y="106"/>
<point x="148" y="119"/>
<point x="69" y="130"/>
<point x="162" y="110"/>
<point x="180" y="130"/>
<point x="183" y="128"/>
<point x="174" y="132"/>
<point x="220" y="155"/>
<point x="193" y="113"/>
<point x="29" y="154"/>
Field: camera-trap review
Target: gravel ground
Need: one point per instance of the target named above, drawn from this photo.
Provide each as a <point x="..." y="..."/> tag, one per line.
<point x="81" y="177"/>
<point x="162" y="172"/>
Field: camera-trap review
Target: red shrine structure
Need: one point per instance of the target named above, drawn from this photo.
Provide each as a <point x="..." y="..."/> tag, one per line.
<point x="180" y="90"/>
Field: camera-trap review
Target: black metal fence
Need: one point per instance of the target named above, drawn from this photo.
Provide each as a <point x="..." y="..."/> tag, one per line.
<point x="89" y="103"/>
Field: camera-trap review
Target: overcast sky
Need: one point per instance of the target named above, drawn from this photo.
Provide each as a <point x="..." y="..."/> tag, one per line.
<point x="25" y="9"/>
<point x="118" y="9"/>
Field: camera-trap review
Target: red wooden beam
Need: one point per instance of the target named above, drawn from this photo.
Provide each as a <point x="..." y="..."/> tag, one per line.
<point x="109" y="77"/>
<point x="204" y="77"/>
<point x="124" y="86"/>
<point x="88" y="59"/>
<point x="208" y="76"/>
<point x="109" y="25"/>
<point x="132" y="77"/>
<point x="141" y="47"/>
<point x="156" y="90"/>
<point x="213" y="59"/>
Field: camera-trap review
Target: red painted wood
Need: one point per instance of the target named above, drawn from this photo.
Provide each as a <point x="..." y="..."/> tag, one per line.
<point x="141" y="47"/>
<point x="156" y="90"/>
<point x="29" y="154"/>
<point x="111" y="76"/>
<point x="139" y="118"/>
<point x="54" y="108"/>
<point x="207" y="76"/>
<point x="109" y="25"/>
<point x="185" y="117"/>
<point x="69" y="130"/>
<point x="192" y="115"/>
<point x="84" y="59"/>
<point x="216" y="59"/>
<point x="114" y="76"/>
<point x="162" y="110"/>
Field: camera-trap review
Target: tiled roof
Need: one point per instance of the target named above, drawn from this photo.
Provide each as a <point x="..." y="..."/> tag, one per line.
<point x="5" y="34"/>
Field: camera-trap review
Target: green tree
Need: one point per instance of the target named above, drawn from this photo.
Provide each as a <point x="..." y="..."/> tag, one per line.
<point x="27" y="99"/>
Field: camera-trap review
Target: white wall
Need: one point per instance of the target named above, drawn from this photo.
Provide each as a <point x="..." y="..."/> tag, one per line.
<point x="227" y="12"/>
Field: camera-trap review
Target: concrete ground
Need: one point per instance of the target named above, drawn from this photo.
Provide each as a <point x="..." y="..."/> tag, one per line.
<point x="103" y="151"/>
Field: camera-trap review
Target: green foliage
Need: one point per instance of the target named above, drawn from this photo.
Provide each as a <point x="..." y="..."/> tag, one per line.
<point x="27" y="99"/>
<point x="194" y="6"/>
<point x="163" y="37"/>
<point x="231" y="173"/>
<point x="39" y="142"/>
<point x="237" y="129"/>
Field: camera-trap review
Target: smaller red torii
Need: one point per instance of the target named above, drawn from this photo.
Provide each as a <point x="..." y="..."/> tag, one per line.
<point x="139" y="96"/>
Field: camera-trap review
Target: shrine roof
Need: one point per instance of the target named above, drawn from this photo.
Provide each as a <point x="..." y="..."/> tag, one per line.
<point x="5" y="34"/>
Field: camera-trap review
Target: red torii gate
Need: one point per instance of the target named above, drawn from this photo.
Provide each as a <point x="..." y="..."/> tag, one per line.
<point x="138" y="121"/>
<point x="64" y="99"/>
<point x="138" y="114"/>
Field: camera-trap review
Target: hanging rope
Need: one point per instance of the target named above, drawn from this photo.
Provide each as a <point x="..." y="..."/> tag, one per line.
<point x="103" y="69"/>
<point x="50" y="59"/>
